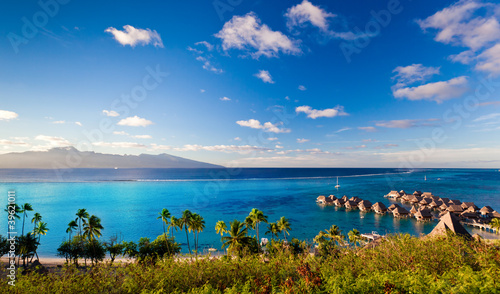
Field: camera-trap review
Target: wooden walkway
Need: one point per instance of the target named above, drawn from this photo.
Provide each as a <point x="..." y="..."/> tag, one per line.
<point x="480" y="226"/>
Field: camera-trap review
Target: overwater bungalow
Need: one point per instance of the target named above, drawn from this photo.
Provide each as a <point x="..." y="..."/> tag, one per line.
<point x="466" y="205"/>
<point x="443" y="207"/>
<point x="351" y="204"/>
<point x="329" y="200"/>
<point x="426" y="201"/>
<point x="345" y="198"/>
<point x="444" y="200"/>
<point x="435" y="204"/>
<point x="455" y="202"/>
<point x="495" y="214"/>
<point x="469" y="215"/>
<point x="413" y="210"/>
<point x="400" y="212"/>
<point x="486" y="211"/>
<point x="456" y="209"/>
<point x="423" y="214"/>
<point x="402" y="192"/>
<point x="417" y="193"/>
<point x="414" y="199"/>
<point x="393" y="206"/>
<point x="364" y="205"/>
<point x="321" y="199"/>
<point x="338" y="202"/>
<point x="427" y="194"/>
<point x="379" y="207"/>
<point x="393" y="194"/>
<point x="356" y="199"/>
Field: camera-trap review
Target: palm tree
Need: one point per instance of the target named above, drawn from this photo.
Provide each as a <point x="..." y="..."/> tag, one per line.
<point x="24" y="210"/>
<point x="257" y="216"/>
<point x="198" y="225"/>
<point x="92" y="228"/>
<point x="237" y="236"/>
<point x="495" y="224"/>
<point x="41" y="229"/>
<point x="185" y="223"/>
<point x="334" y="233"/>
<point x="221" y="228"/>
<point x="81" y="216"/>
<point x="273" y="229"/>
<point x="71" y="226"/>
<point x="354" y="236"/>
<point x="173" y="224"/>
<point x="36" y="218"/>
<point x="164" y="216"/>
<point x="284" y="226"/>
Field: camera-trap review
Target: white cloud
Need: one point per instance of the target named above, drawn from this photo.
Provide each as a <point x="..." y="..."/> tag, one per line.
<point x="224" y="99"/>
<point x="237" y="139"/>
<point x="202" y="90"/>
<point x="52" y="141"/>
<point x="207" y="64"/>
<point x="273" y="139"/>
<point x="278" y="147"/>
<point x="406" y="123"/>
<point x="315" y="113"/>
<point x="110" y="113"/>
<point x="342" y="130"/>
<point x="368" y="129"/>
<point x="438" y="91"/>
<point x="248" y="34"/>
<point x="487" y="117"/>
<point x="132" y="36"/>
<point x="13" y="143"/>
<point x="355" y="147"/>
<point x="302" y="140"/>
<point x="489" y="60"/>
<point x="209" y="46"/>
<point x="7" y="115"/>
<point x="135" y="121"/>
<point x="78" y="123"/>
<point x="243" y="149"/>
<point x="268" y="126"/>
<point x="59" y="122"/>
<point x="299" y="14"/>
<point x="465" y="57"/>
<point x="142" y="137"/>
<point x="302" y="88"/>
<point x="119" y="144"/>
<point x="122" y="133"/>
<point x="265" y="76"/>
<point x="406" y="75"/>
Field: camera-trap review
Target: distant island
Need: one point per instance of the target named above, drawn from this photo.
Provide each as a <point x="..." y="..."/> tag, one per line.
<point x="70" y="157"/>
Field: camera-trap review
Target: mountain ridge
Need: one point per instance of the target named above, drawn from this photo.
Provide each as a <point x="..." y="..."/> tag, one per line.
<point x="70" y="157"/>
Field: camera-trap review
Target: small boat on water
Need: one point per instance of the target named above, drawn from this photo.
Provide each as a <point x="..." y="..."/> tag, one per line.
<point x="337" y="186"/>
<point x="425" y="178"/>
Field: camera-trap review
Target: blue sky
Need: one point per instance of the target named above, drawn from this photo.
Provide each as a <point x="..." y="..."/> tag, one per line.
<point x="251" y="83"/>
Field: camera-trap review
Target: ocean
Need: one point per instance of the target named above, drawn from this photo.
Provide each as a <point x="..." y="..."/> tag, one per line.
<point x="128" y="200"/>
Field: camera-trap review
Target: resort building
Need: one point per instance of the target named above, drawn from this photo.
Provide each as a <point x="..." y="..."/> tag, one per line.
<point x="486" y="211"/>
<point x="393" y="206"/>
<point x="466" y="205"/>
<point x="413" y="210"/>
<point x="356" y="199"/>
<point x="321" y="199"/>
<point x="456" y="209"/>
<point x="400" y="212"/>
<point x="351" y="204"/>
<point x="379" y="208"/>
<point x="364" y="205"/>
<point x="329" y="200"/>
<point x="339" y="202"/>
<point x="417" y="193"/>
<point x="449" y="222"/>
<point x="423" y="214"/>
<point x="455" y="202"/>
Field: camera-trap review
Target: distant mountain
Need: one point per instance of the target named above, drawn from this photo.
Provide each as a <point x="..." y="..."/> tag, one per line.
<point x="70" y="157"/>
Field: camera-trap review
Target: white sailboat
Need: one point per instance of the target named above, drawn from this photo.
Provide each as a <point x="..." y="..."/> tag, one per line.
<point x="337" y="186"/>
<point x="425" y="178"/>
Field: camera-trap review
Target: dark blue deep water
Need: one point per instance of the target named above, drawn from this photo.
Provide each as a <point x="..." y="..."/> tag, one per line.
<point x="128" y="200"/>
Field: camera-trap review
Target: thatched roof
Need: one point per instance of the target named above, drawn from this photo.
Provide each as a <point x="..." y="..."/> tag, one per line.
<point x="393" y="206"/>
<point x="455" y="208"/>
<point x="331" y="198"/>
<point x="321" y="198"/>
<point x="379" y="206"/>
<point x="466" y="205"/>
<point x="423" y="214"/>
<point x="356" y="199"/>
<point x="400" y="211"/>
<point x="444" y="200"/>
<point x="455" y="202"/>
<point x="427" y="194"/>
<point x="417" y="193"/>
<point x="351" y="204"/>
<point x="443" y="206"/>
<point x="486" y="210"/>
<point x="338" y="202"/>
<point x="495" y="214"/>
<point x="402" y="192"/>
<point x="413" y="209"/>
<point x="468" y="214"/>
<point x="345" y="198"/>
<point x="393" y="193"/>
<point x="435" y="203"/>
<point x="471" y="209"/>
<point x="449" y="222"/>
<point x="365" y="203"/>
<point x="426" y="201"/>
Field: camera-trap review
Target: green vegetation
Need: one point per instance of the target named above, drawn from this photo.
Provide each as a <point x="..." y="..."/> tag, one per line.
<point x="399" y="264"/>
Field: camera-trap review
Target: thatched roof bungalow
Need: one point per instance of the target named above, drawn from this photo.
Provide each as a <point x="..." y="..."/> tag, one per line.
<point x="435" y="204"/>
<point x="321" y="199"/>
<point x="379" y="207"/>
<point x="400" y="212"/>
<point x="423" y="214"/>
<point x="356" y="199"/>
<point x="466" y="205"/>
<point x="444" y="200"/>
<point x="364" y="205"/>
<point x="455" y="202"/>
<point x="449" y="222"/>
<point x="443" y="207"/>
<point x="339" y="202"/>
<point x="469" y="215"/>
<point x="495" y="214"/>
<point x="413" y="210"/>
<point x="417" y="193"/>
<point x="393" y="194"/>
<point x="351" y="204"/>
<point x="486" y="211"/>
<point x="425" y="201"/>
<point x="457" y="209"/>
<point x="330" y="199"/>
<point x="345" y="198"/>
<point x="393" y="206"/>
<point x="427" y="194"/>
